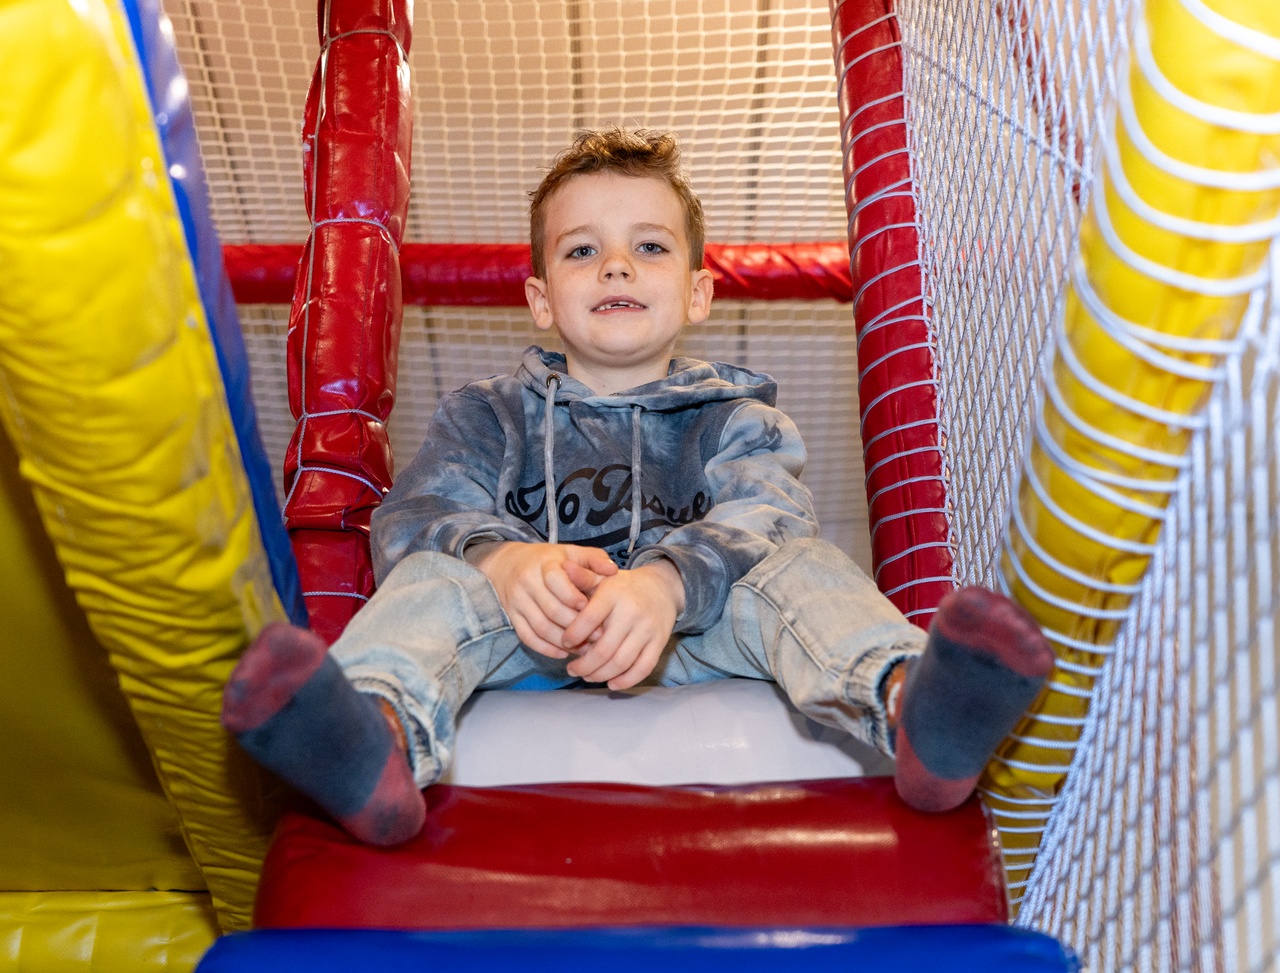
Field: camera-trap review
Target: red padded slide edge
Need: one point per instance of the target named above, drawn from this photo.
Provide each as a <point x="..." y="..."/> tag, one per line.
<point x="493" y="274"/>
<point x="911" y="549"/>
<point x="814" y="853"/>
<point x="344" y="327"/>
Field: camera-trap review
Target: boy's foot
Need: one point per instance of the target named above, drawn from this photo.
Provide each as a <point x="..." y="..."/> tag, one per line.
<point x="290" y="706"/>
<point x="985" y="661"/>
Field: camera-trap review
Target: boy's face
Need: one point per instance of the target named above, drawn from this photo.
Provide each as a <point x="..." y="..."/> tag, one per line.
<point x="618" y="287"/>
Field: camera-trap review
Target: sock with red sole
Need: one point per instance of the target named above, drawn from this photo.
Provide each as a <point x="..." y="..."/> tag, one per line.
<point x="290" y="706"/>
<point x="984" y="664"/>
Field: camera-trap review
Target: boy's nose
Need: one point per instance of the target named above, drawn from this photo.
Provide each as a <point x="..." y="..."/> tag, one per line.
<point x="616" y="265"/>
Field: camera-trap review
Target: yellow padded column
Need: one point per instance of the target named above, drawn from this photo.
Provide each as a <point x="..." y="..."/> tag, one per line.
<point x="111" y="393"/>
<point x="1175" y="243"/>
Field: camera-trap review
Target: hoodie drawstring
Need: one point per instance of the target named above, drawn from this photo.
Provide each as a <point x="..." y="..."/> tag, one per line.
<point x="548" y="460"/>
<point x="636" y="500"/>
<point x="549" y="471"/>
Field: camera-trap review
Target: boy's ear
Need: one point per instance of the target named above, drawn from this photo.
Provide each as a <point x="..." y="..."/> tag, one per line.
<point x="700" y="296"/>
<point x="535" y="292"/>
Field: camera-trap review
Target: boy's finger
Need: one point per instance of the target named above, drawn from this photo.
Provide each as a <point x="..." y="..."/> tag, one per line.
<point x="543" y="645"/>
<point x="595" y="559"/>
<point x="595" y="655"/>
<point x="588" y="620"/>
<point x="582" y="648"/>
<point x="540" y="623"/>
<point x="619" y="662"/>
<point x="584" y="579"/>
<point x="609" y="657"/>
<point x="566" y="590"/>
<point x="640" y="669"/>
<point x="546" y="602"/>
<point x="534" y="641"/>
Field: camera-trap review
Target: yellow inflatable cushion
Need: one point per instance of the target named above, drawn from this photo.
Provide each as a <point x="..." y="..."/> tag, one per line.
<point x="111" y="393"/>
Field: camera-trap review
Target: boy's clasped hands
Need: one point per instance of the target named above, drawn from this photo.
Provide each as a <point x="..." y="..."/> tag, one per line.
<point x="565" y="599"/>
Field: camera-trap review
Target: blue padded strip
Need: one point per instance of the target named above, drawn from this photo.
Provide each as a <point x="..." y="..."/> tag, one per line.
<point x="946" y="949"/>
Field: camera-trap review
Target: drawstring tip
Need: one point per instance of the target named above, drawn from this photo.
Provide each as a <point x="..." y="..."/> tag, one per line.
<point x="548" y="461"/>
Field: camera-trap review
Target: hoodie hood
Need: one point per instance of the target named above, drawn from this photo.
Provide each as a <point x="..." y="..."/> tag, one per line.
<point x="688" y="382"/>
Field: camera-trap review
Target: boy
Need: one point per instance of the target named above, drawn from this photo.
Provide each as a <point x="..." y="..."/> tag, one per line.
<point x="561" y="524"/>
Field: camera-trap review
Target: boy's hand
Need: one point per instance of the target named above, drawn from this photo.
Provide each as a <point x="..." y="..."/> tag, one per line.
<point x="535" y="589"/>
<point x="627" y="623"/>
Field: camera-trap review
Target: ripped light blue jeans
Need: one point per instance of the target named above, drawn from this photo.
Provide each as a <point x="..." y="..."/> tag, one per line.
<point x="805" y="617"/>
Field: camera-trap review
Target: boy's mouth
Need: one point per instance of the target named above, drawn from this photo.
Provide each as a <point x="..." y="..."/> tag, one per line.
<point x="618" y="304"/>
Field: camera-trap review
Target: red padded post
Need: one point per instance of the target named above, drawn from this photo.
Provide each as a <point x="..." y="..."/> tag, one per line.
<point x="344" y="327"/>
<point x="812" y="853"/>
<point x="911" y="548"/>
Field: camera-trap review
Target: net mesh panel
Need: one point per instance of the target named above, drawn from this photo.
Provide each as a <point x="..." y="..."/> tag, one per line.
<point x="1164" y="853"/>
<point x="748" y="86"/>
<point x="1002" y="120"/>
<point x="1166" y="848"/>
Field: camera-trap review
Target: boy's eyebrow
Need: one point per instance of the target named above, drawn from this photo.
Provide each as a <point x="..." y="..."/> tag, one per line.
<point x="591" y="227"/>
<point x="650" y="227"/>
<point x="574" y="231"/>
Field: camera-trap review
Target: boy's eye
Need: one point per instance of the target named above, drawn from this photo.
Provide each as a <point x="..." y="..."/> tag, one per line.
<point x="582" y="250"/>
<point x="652" y="248"/>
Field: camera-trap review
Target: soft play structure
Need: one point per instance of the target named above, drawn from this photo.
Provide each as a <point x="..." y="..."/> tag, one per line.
<point x="1017" y="263"/>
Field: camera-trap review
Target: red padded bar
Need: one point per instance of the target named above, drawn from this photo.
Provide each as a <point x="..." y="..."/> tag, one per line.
<point x="906" y="488"/>
<point x="344" y="326"/>
<point x="493" y="274"/>
<point x="833" y="852"/>
<point x="780" y="272"/>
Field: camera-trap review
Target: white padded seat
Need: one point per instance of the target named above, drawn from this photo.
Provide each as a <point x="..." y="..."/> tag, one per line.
<point x="731" y="731"/>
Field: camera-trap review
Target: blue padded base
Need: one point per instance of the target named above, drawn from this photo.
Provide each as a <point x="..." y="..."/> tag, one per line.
<point x="981" y="949"/>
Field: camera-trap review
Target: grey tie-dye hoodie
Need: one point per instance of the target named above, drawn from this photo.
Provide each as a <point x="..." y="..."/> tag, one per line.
<point x="717" y="463"/>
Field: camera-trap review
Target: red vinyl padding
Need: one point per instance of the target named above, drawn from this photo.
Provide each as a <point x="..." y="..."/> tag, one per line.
<point x="834" y="852"/>
<point x="907" y="498"/>
<point x="344" y="325"/>
<point x="493" y="274"/>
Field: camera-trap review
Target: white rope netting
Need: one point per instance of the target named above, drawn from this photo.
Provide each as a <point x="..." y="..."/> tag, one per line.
<point x="1007" y="99"/>
<point x="498" y="91"/>
<point x="1164" y="851"/>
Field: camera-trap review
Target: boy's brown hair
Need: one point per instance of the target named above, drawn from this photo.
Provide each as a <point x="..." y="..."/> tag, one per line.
<point x="644" y="153"/>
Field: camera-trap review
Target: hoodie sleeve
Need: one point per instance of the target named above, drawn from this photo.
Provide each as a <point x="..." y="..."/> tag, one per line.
<point x="447" y="497"/>
<point x="759" y="504"/>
